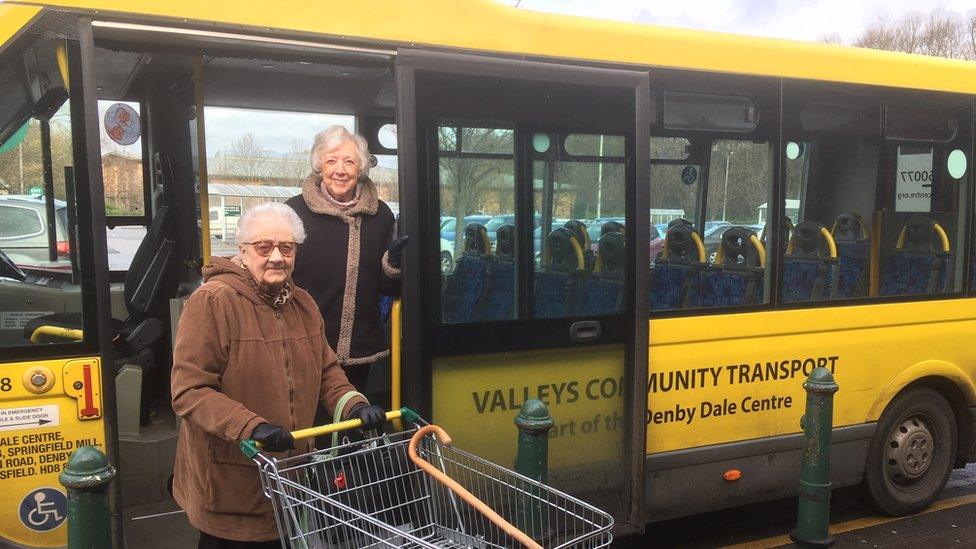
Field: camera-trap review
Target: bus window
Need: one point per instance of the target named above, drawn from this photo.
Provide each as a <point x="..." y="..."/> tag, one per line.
<point x="257" y="155"/>
<point x="476" y="178"/>
<point x="578" y="186"/>
<point x="872" y="218"/>
<point x="120" y="136"/>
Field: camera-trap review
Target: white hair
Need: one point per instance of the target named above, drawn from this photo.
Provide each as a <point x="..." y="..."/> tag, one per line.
<point x="269" y="209"/>
<point x="330" y="140"/>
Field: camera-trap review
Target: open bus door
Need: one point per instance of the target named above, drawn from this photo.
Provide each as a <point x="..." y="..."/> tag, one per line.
<point x="535" y="306"/>
<point x="55" y="339"/>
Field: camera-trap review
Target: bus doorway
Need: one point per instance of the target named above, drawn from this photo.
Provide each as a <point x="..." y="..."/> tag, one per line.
<point x="539" y="302"/>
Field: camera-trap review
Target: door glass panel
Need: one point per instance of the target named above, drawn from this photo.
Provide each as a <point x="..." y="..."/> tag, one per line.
<point x="37" y="278"/>
<point x="476" y="183"/>
<point x="579" y="205"/>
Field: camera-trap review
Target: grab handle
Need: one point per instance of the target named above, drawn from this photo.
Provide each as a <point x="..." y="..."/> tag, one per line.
<point x="464" y="494"/>
<point x="250" y="447"/>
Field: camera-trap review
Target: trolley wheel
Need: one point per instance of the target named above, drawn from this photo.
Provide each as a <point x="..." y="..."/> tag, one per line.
<point x="911" y="454"/>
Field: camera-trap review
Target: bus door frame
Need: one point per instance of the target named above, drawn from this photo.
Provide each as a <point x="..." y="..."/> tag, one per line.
<point x="90" y="195"/>
<point x="416" y="383"/>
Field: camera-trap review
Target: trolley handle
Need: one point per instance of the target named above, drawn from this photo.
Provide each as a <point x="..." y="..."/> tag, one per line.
<point x="250" y="447"/>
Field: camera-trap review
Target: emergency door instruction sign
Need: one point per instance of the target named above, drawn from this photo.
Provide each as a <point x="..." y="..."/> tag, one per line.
<point x="913" y="180"/>
<point x="29" y="417"/>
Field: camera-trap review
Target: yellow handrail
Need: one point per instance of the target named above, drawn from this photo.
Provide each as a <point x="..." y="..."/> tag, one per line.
<point x="57" y="331"/>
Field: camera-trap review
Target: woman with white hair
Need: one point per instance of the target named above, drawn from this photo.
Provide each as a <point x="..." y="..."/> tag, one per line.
<point x="250" y="360"/>
<point x="351" y="256"/>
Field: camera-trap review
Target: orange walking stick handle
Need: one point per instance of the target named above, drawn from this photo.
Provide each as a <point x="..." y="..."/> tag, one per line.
<point x="467" y="496"/>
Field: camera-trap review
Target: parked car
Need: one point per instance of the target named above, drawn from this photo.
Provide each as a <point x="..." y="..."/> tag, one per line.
<point x="449" y="225"/>
<point x="24" y="228"/>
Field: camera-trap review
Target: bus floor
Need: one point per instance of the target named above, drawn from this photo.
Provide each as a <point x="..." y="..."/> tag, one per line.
<point x="947" y="523"/>
<point x="160" y="525"/>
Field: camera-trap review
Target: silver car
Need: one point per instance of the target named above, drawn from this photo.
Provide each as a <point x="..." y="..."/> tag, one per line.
<point x="24" y="229"/>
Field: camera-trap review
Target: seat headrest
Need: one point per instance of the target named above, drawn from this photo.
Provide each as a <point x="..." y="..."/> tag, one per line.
<point x="578" y="228"/>
<point x="849" y="227"/>
<point x="740" y="248"/>
<point x="505" y="242"/>
<point x="812" y="240"/>
<point x="476" y="240"/>
<point x="611" y="227"/>
<point x="563" y="253"/>
<point x="682" y="244"/>
<point x="923" y="235"/>
<point x="612" y="255"/>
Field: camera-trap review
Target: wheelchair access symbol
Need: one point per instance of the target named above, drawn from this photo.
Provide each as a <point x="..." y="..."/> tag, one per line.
<point x="43" y="509"/>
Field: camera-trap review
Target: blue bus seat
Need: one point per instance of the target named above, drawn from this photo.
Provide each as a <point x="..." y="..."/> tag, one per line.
<point x="853" y="255"/>
<point x="736" y="277"/>
<point x="464" y="287"/>
<point x="498" y="302"/>
<point x="919" y="264"/>
<point x="809" y="264"/>
<point x="611" y="227"/>
<point x="676" y="275"/>
<point x="557" y="282"/>
<point x="603" y="292"/>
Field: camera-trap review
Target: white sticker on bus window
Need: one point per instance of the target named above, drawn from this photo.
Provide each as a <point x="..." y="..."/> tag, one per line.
<point x="913" y="176"/>
<point x="16" y="320"/>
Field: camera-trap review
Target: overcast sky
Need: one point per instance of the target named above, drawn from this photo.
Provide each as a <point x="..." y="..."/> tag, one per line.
<point x="793" y="19"/>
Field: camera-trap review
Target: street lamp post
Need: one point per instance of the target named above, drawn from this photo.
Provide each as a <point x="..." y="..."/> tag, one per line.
<point x="725" y="193"/>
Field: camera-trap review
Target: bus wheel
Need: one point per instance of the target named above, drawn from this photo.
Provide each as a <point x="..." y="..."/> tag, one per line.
<point x="911" y="454"/>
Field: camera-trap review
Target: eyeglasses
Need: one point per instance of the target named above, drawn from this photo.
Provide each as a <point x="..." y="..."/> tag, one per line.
<point x="265" y="247"/>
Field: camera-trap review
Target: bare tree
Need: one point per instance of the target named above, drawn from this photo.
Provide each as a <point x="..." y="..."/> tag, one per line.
<point x="468" y="179"/>
<point x="939" y="33"/>
<point x="246" y="161"/>
<point x="969" y="35"/>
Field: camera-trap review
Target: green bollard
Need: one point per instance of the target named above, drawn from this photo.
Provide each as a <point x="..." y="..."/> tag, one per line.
<point x="813" y="512"/>
<point x="532" y="460"/>
<point x="87" y="476"/>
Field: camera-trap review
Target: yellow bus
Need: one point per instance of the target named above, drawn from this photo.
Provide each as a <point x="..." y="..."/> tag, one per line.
<point x="817" y="203"/>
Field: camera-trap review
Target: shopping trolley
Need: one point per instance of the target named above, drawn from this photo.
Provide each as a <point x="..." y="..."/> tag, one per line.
<point x="414" y="489"/>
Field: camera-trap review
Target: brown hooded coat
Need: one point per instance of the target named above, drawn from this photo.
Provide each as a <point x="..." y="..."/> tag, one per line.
<point x="237" y="363"/>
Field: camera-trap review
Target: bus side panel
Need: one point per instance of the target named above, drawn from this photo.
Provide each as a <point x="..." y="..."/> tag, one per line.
<point x="731" y="378"/>
<point x="47" y="409"/>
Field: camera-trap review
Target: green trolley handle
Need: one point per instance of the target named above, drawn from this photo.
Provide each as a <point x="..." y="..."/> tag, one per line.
<point x="251" y="447"/>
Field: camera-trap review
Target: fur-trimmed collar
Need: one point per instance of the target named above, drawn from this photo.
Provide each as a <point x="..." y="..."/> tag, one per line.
<point x="312" y="193"/>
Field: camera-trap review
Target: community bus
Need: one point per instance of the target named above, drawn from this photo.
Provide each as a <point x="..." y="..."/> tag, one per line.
<point x="670" y="353"/>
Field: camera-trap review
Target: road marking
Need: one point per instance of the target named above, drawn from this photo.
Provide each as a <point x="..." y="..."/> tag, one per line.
<point x="29" y="417"/>
<point x="858" y="524"/>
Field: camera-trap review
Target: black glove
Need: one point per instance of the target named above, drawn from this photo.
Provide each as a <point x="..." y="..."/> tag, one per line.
<point x="273" y="438"/>
<point x="393" y="252"/>
<point x="372" y="415"/>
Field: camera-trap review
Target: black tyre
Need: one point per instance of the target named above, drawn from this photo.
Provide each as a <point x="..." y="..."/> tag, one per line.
<point x="911" y="454"/>
<point x="447" y="263"/>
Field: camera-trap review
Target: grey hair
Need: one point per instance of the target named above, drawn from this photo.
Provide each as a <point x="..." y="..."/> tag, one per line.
<point x="330" y="139"/>
<point x="269" y="209"/>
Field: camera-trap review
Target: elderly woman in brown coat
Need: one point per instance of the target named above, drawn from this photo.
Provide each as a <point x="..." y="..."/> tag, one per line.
<point x="251" y="360"/>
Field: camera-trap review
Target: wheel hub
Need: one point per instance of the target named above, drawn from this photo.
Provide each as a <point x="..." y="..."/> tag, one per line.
<point x="909" y="450"/>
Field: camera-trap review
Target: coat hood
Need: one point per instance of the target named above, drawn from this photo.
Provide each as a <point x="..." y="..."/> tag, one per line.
<point x="312" y="193"/>
<point x="230" y="271"/>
